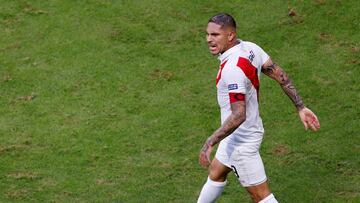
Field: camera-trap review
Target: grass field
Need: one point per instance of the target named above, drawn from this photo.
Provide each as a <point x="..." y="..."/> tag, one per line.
<point x="110" y="101"/>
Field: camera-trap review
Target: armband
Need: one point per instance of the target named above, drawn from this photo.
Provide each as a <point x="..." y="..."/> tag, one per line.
<point x="235" y="97"/>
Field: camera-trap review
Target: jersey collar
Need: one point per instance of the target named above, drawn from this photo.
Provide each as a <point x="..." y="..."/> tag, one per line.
<point x="222" y="57"/>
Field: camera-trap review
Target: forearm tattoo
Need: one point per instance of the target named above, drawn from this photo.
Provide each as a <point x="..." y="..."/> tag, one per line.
<point x="206" y="146"/>
<point x="277" y="73"/>
<point x="237" y="117"/>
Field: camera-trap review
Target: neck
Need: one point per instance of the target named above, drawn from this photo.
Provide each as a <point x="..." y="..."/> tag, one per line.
<point x="232" y="44"/>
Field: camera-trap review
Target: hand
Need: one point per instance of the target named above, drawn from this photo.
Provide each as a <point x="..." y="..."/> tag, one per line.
<point x="309" y="119"/>
<point x="204" y="156"/>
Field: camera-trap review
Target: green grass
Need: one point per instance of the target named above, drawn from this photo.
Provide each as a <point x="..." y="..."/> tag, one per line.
<point x="110" y="101"/>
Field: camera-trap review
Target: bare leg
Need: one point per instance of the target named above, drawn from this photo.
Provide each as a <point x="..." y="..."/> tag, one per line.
<point x="259" y="192"/>
<point x="218" y="171"/>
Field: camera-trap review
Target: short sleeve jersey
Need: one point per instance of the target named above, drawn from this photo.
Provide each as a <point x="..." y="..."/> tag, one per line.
<point x="239" y="72"/>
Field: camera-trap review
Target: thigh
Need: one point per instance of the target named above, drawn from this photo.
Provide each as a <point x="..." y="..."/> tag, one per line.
<point x="218" y="171"/>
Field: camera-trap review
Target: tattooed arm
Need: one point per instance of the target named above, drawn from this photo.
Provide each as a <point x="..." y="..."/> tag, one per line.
<point x="237" y="117"/>
<point x="274" y="71"/>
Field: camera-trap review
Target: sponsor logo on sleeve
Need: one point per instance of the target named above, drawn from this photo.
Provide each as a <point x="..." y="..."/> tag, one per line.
<point x="232" y="87"/>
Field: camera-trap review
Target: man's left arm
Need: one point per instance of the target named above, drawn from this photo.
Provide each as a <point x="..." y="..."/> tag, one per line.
<point x="275" y="72"/>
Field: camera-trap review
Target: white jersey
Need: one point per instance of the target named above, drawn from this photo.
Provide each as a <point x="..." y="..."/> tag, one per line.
<point x="239" y="73"/>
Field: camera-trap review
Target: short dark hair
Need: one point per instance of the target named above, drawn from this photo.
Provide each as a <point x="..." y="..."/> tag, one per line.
<point x="223" y="19"/>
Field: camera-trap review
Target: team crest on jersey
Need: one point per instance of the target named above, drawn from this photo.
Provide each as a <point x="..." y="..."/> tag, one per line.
<point x="232" y="87"/>
<point x="251" y="56"/>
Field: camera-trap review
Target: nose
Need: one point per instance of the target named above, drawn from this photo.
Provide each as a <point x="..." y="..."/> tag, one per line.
<point x="208" y="38"/>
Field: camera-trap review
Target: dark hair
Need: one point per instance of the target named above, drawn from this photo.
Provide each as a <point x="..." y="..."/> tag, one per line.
<point x="223" y="19"/>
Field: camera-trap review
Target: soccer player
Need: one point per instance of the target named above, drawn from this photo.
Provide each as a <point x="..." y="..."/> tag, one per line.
<point x="241" y="130"/>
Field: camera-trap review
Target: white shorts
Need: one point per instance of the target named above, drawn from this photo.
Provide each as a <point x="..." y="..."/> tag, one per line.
<point x="244" y="159"/>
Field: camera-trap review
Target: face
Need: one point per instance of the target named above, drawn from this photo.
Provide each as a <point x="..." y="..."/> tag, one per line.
<point x="219" y="39"/>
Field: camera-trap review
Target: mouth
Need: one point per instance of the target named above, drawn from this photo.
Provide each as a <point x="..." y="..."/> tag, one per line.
<point x="212" y="47"/>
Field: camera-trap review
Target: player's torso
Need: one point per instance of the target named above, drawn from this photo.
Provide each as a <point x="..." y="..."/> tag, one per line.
<point x="244" y="58"/>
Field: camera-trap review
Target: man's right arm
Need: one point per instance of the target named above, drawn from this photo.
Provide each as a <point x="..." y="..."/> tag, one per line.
<point x="236" y="118"/>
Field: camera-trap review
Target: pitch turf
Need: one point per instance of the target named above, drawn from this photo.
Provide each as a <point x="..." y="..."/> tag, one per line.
<point x="110" y="101"/>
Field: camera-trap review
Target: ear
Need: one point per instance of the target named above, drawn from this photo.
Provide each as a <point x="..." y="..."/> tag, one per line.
<point x="231" y="36"/>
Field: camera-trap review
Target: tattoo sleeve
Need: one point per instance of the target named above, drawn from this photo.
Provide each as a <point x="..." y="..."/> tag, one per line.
<point x="237" y="117"/>
<point x="278" y="74"/>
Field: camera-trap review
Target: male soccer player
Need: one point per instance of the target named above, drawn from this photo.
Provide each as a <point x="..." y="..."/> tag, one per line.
<point x="241" y="131"/>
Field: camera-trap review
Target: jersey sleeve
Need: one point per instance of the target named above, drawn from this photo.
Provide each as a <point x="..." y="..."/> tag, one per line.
<point x="263" y="56"/>
<point x="235" y="80"/>
<point x="260" y="55"/>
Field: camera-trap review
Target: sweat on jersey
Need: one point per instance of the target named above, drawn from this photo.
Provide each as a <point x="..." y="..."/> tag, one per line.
<point x="239" y="72"/>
